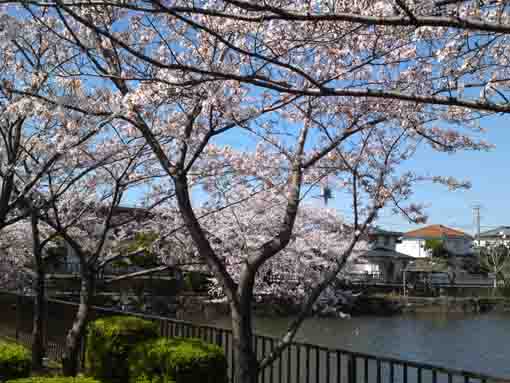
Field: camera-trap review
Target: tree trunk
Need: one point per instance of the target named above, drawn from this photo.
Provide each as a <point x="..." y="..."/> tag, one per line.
<point x="38" y="350"/>
<point x="246" y="365"/>
<point x="71" y="359"/>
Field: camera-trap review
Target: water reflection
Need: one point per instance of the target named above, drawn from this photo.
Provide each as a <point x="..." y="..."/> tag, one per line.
<point x="471" y="342"/>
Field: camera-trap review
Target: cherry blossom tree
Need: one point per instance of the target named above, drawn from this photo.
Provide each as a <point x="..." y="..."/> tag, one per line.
<point x="49" y="147"/>
<point x="73" y="189"/>
<point x="61" y="166"/>
<point x="449" y="54"/>
<point x="84" y="197"/>
<point x="330" y="94"/>
<point x="26" y="125"/>
<point x="494" y="257"/>
<point x="16" y="254"/>
<point x="35" y="138"/>
<point x="252" y="197"/>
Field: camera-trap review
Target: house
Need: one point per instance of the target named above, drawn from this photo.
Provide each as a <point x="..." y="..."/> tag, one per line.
<point x="456" y="242"/>
<point x="381" y="262"/>
<point x="69" y="262"/>
<point x="498" y="236"/>
<point x="383" y="239"/>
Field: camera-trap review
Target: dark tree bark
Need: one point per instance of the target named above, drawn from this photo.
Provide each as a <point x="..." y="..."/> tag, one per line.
<point x="38" y="349"/>
<point x="246" y="363"/>
<point x="39" y="321"/>
<point x="71" y="359"/>
<point x="247" y="368"/>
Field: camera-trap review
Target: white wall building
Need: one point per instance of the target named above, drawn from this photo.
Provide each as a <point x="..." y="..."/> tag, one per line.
<point x="455" y="241"/>
<point x="381" y="261"/>
<point x="498" y="236"/>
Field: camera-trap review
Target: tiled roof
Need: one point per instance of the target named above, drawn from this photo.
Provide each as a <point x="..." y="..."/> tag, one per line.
<point x="435" y="232"/>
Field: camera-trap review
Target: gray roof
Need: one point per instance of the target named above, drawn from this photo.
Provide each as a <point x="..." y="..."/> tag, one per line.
<point x="376" y="231"/>
<point x="496" y="233"/>
<point x="385" y="253"/>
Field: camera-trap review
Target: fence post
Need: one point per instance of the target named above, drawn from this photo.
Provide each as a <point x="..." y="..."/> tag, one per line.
<point x="219" y="337"/>
<point x="224" y="338"/>
<point x="18" y="315"/>
<point x="83" y="351"/>
<point x="45" y="330"/>
<point x="351" y="369"/>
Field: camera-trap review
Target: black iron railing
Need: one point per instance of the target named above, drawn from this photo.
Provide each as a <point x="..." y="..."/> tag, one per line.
<point x="299" y="363"/>
<point x="73" y="268"/>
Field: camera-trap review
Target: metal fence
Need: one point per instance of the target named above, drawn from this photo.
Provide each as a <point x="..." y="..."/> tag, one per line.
<point x="73" y="268"/>
<point x="299" y="363"/>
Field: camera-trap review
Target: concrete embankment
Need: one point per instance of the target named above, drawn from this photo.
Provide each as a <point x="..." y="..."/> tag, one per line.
<point x="450" y="304"/>
<point x="365" y="305"/>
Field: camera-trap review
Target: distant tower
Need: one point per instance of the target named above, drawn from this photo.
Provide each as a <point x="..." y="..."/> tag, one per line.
<point x="476" y="215"/>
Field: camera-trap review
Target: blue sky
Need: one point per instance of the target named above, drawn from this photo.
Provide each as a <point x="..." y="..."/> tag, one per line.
<point x="488" y="173"/>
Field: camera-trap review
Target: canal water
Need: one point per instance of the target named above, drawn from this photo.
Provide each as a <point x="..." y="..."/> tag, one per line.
<point x="478" y="343"/>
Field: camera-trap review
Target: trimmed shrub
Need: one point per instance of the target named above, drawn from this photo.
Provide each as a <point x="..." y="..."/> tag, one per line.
<point x="15" y="361"/>
<point x="154" y="379"/>
<point x="109" y="341"/>
<point x="58" y="379"/>
<point x="177" y="360"/>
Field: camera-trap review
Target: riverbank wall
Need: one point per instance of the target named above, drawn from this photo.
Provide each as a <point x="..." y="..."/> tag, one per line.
<point x="366" y="305"/>
<point x="451" y="304"/>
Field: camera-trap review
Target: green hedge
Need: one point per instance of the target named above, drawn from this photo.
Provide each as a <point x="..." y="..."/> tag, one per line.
<point x="15" y="361"/>
<point x="59" y="379"/>
<point x="109" y="341"/>
<point x="155" y="379"/>
<point x="177" y="360"/>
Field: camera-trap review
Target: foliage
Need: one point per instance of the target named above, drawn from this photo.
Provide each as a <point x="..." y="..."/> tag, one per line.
<point x="473" y="265"/>
<point x="320" y="236"/>
<point x="109" y="341"/>
<point x="496" y="259"/>
<point x="177" y="359"/>
<point x="57" y="379"/>
<point x="155" y="379"/>
<point x="437" y="248"/>
<point x="335" y="95"/>
<point x="504" y="289"/>
<point x="140" y="250"/>
<point x="15" y="361"/>
<point x="196" y="281"/>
